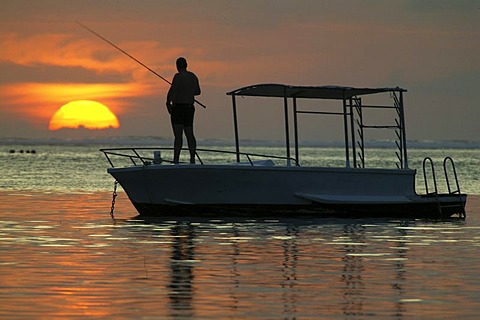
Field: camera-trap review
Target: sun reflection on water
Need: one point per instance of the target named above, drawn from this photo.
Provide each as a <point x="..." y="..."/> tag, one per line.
<point x="63" y="256"/>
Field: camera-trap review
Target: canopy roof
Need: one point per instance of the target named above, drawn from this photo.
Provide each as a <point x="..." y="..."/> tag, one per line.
<point x="310" y="92"/>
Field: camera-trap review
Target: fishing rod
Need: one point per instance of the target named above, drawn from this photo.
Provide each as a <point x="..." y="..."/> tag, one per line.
<point x="130" y="56"/>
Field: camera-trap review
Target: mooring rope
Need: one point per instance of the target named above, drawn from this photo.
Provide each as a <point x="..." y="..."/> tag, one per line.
<point x="114" y="196"/>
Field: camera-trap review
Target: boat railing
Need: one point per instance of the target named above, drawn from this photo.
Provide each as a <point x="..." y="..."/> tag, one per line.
<point x="357" y="119"/>
<point x="447" y="162"/>
<point x="137" y="156"/>
<point x="429" y="161"/>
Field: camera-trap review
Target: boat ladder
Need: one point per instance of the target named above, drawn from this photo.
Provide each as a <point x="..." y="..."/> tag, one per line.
<point x="451" y="191"/>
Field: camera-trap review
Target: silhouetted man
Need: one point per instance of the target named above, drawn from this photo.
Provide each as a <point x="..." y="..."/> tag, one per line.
<point x="180" y="99"/>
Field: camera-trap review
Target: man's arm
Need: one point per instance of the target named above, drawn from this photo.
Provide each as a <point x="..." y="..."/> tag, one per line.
<point x="170" y="96"/>
<point x="197" y="91"/>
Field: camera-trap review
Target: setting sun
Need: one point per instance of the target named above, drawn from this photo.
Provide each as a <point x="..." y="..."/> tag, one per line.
<point x="83" y="113"/>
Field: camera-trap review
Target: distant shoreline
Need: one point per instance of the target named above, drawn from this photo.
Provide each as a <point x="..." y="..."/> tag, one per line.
<point x="155" y="141"/>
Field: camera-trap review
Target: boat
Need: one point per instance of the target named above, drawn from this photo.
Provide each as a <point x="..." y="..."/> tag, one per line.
<point x="234" y="182"/>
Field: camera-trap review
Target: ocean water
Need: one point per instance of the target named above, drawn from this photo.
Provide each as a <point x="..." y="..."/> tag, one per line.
<point x="63" y="256"/>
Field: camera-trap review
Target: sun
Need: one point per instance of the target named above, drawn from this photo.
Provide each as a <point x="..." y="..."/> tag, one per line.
<point x="83" y="113"/>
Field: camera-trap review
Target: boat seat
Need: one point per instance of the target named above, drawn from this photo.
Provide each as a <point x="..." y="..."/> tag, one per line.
<point x="257" y="163"/>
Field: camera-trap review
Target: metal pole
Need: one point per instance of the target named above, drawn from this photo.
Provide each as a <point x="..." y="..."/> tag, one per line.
<point x="354" y="151"/>
<point x="295" y="128"/>
<point x="287" y="133"/>
<point x="345" y="128"/>
<point x="235" y="126"/>
<point x="404" y="135"/>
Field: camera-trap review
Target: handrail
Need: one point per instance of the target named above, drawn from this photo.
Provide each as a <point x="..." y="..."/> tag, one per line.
<point x="428" y="159"/>
<point x="108" y="152"/>
<point x="445" y="162"/>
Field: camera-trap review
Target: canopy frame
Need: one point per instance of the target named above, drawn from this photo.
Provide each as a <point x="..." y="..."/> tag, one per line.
<point x="351" y="111"/>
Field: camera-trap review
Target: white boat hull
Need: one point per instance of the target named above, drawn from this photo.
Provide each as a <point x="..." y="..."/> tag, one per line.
<point x="173" y="189"/>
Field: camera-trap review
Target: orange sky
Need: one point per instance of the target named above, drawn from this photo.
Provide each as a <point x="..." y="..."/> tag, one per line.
<point x="429" y="47"/>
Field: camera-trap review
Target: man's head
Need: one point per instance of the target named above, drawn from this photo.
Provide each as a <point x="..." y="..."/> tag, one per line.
<point x="181" y="64"/>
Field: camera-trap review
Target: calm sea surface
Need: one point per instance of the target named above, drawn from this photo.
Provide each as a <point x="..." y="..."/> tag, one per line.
<point x="63" y="256"/>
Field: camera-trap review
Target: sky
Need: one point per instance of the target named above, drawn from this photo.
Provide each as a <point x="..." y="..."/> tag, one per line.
<point x="429" y="47"/>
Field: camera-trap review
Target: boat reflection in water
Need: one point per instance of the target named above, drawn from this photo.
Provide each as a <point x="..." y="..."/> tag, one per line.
<point x="246" y="268"/>
<point x="182" y="275"/>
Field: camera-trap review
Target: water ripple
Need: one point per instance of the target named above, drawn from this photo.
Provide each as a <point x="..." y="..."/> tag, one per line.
<point x="60" y="260"/>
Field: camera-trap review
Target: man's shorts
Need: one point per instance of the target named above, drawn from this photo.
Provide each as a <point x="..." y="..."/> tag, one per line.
<point x="182" y="114"/>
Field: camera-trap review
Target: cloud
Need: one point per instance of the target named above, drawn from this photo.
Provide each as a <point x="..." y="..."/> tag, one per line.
<point x="41" y="100"/>
<point x="230" y="44"/>
<point x="42" y="72"/>
<point x="60" y="50"/>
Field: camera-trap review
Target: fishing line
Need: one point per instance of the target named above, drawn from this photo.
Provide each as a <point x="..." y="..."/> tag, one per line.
<point x="129" y="55"/>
